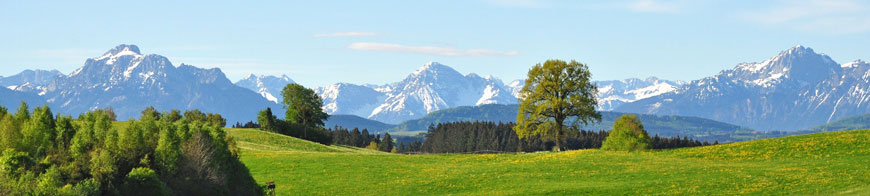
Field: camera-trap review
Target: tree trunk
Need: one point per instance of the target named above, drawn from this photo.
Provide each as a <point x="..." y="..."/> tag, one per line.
<point x="559" y="135"/>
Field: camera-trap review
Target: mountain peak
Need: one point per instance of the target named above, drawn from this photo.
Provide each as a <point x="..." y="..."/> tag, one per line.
<point x="124" y="48"/>
<point x="798" y="50"/>
<point x="434" y="67"/>
<point x="120" y="50"/>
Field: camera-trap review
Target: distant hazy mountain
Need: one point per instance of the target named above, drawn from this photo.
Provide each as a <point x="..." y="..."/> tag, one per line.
<point x="664" y="125"/>
<point x="12" y="99"/>
<point x="34" y="81"/>
<point x="844" y="124"/>
<point x="352" y="121"/>
<point x="129" y="81"/>
<point x="794" y="90"/>
<point x="267" y="86"/>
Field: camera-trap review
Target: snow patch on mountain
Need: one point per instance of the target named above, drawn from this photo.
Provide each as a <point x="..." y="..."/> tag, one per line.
<point x="127" y="81"/>
<point x="796" y="89"/>
<point x="267" y="86"/>
<point x="613" y="93"/>
<point x="429" y="88"/>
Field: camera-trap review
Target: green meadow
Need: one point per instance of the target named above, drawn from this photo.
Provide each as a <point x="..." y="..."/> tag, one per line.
<point x="834" y="163"/>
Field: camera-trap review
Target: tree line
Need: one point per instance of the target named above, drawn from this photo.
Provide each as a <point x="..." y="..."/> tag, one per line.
<point x="490" y="137"/>
<point x="534" y="132"/>
<point x="362" y="139"/>
<point x="304" y="117"/>
<point x="160" y="154"/>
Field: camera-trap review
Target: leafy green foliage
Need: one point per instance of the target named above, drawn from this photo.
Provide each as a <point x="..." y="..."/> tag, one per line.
<point x="14" y="163"/>
<point x="303" y="106"/>
<point x="554" y="92"/>
<point x="143" y="181"/>
<point x="627" y="135"/>
<point x="304" y="117"/>
<point x="89" y="155"/>
<point x="267" y="120"/>
<point x="373" y="146"/>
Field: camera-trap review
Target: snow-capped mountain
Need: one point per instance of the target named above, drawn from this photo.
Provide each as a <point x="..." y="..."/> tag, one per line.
<point x="267" y="86"/>
<point x="431" y="87"/>
<point x="34" y="81"/>
<point x="796" y="89"/>
<point x="435" y="86"/>
<point x="344" y="98"/>
<point x="129" y="81"/>
<point x="613" y="93"/>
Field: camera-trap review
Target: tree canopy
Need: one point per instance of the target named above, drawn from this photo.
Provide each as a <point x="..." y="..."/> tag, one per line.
<point x="627" y="135"/>
<point x="555" y="93"/>
<point x="303" y="106"/>
<point x="159" y="154"/>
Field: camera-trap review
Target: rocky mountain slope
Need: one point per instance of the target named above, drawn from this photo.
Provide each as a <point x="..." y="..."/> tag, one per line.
<point x="796" y="89"/>
<point x="128" y="81"/>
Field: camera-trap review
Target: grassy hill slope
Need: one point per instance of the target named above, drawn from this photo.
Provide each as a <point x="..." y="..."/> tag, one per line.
<point x="848" y="123"/>
<point x="253" y="140"/>
<point x="825" y="163"/>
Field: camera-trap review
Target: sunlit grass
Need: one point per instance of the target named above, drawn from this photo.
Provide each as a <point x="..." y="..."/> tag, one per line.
<point x="826" y="163"/>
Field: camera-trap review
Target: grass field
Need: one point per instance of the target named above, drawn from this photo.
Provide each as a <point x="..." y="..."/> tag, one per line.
<point x="836" y="163"/>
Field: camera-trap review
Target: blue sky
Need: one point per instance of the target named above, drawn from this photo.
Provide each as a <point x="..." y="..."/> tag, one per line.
<point x="318" y="43"/>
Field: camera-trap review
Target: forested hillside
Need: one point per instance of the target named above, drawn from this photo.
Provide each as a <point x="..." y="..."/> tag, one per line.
<point x="160" y="154"/>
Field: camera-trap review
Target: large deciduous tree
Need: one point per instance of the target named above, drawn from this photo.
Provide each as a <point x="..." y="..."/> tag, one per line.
<point x="555" y="93"/>
<point x="303" y="107"/>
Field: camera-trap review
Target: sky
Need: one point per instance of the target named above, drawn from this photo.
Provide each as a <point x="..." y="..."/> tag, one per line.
<point x="318" y="43"/>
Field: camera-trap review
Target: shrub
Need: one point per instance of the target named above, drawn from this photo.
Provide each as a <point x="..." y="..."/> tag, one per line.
<point x="373" y="146"/>
<point x="627" y="135"/>
<point x="143" y="181"/>
<point x="89" y="187"/>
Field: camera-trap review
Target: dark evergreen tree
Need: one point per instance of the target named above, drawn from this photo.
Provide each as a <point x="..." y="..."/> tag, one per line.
<point x="386" y="144"/>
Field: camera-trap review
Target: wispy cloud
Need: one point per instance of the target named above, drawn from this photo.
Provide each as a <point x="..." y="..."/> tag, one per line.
<point x="652" y="6"/>
<point x="519" y="3"/>
<point x="431" y="50"/>
<point x="346" y="34"/>
<point x="829" y="16"/>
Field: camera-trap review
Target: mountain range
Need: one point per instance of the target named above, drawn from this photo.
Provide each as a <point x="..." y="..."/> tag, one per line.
<point x="794" y="90"/>
<point x="128" y="81"/>
<point x="435" y="86"/>
<point x="267" y="86"/>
